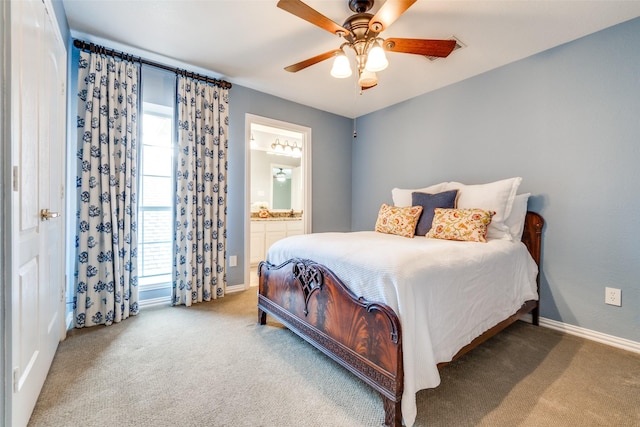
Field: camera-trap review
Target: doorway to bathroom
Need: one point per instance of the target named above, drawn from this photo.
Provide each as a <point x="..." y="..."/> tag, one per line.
<point x="278" y="186"/>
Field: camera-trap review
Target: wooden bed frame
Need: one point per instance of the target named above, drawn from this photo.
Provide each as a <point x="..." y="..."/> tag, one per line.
<point x="363" y="336"/>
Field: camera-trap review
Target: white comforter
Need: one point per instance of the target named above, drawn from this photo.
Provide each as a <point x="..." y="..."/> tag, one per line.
<point x="445" y="293"/>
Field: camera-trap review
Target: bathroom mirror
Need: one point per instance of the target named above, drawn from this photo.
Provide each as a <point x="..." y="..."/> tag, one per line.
<point x="281" y="188"/>
<point x="276" y="172"/>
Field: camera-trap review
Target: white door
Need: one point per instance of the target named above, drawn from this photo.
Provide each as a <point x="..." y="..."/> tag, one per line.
<point x="38" y="73"/>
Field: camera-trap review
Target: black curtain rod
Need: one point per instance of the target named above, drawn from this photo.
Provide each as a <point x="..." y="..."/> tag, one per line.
<point x="101" y="49"/>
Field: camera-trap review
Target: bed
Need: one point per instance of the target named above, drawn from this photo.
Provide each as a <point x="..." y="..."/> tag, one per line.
<point x="319" y="286"/>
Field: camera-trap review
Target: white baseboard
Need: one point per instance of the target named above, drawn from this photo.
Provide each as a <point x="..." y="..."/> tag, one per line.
<point x="611" y="340"/>
<point x="69" y="320"/>
<point x="154" y="302"/>
<point x="167" y="300"/>
<point x="236" y="288"/>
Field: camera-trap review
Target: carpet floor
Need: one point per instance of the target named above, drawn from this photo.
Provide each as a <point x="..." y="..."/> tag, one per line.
<point x="213" y="365"/>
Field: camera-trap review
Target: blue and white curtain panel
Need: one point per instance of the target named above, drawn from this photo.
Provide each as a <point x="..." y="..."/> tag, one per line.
<point x="201" y="192"/>
<point x="106" y="288"/>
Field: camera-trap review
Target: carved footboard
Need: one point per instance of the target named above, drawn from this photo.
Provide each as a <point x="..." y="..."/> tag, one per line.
<point x="363" y="336"/>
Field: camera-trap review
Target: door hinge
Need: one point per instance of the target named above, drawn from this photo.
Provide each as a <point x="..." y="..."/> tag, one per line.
<point x="16" y="380"/>
<point x="15" y="182"/>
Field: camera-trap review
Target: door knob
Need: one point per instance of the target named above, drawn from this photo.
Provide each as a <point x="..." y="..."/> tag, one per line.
<point x="46" y="215"/>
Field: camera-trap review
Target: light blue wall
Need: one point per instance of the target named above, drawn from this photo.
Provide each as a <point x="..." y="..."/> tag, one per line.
<point x="568" y="121"/>
<point x="331" y="165"/>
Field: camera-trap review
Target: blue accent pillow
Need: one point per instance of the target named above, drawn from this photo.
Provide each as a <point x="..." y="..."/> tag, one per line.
<point x="429" y="202"/>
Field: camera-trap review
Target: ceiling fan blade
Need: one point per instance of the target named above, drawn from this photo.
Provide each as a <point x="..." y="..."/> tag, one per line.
<point x="309" y="14"/>
<point x="439" y="48"/>
<point x="388" y="13"/>
<point x="311" y="61"/>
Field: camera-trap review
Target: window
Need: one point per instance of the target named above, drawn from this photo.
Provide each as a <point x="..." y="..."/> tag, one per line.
<point x="155" y="233"/>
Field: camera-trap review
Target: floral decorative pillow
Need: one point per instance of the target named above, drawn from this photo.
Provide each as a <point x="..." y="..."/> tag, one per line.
<point x="398" y="220"/>
<point x="468" y="225"/>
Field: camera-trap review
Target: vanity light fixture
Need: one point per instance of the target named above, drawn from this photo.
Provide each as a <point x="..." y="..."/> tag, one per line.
<point x="287" y="149"/>
<point x="296" y="151"/>
<point x="277" y="146"/>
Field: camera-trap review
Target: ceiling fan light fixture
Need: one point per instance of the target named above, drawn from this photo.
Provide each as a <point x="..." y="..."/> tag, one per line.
<point x="280" y="176"/>
<point x="341" y="68"/>
<point x="361" y="32"/>
<point x="367" y="79"/>
<point x="376" y="59"/>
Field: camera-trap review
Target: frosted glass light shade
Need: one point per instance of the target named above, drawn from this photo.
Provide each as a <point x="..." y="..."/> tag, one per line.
<point x="376" y="59"/>
<point x="367" y="79"/>
<point x="277" y="146"/>
<point x="341" y="68"/>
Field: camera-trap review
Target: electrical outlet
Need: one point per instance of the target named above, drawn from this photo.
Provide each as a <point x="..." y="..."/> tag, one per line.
<point x="233" y="261"/>
<point x="612" y="296"/>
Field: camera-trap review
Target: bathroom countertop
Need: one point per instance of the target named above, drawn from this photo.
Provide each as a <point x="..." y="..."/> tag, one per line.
<point x="282" y="218"/>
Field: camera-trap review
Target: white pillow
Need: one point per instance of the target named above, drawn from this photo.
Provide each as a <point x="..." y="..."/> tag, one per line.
<point x="495" y="196"/>
<point x="515" y="221"/>
<point x="402" y="197"/>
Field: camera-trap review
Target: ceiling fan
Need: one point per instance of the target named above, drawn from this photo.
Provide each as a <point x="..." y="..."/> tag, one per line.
<point x="361" y="33"/>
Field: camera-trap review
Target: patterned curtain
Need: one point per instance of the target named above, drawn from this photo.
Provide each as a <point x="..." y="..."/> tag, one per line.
<point x="106" y="288"/>
<point x="201" y="192"/>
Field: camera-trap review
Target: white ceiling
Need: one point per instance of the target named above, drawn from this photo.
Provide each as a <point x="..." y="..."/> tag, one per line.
<point x="249" y="42"/>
